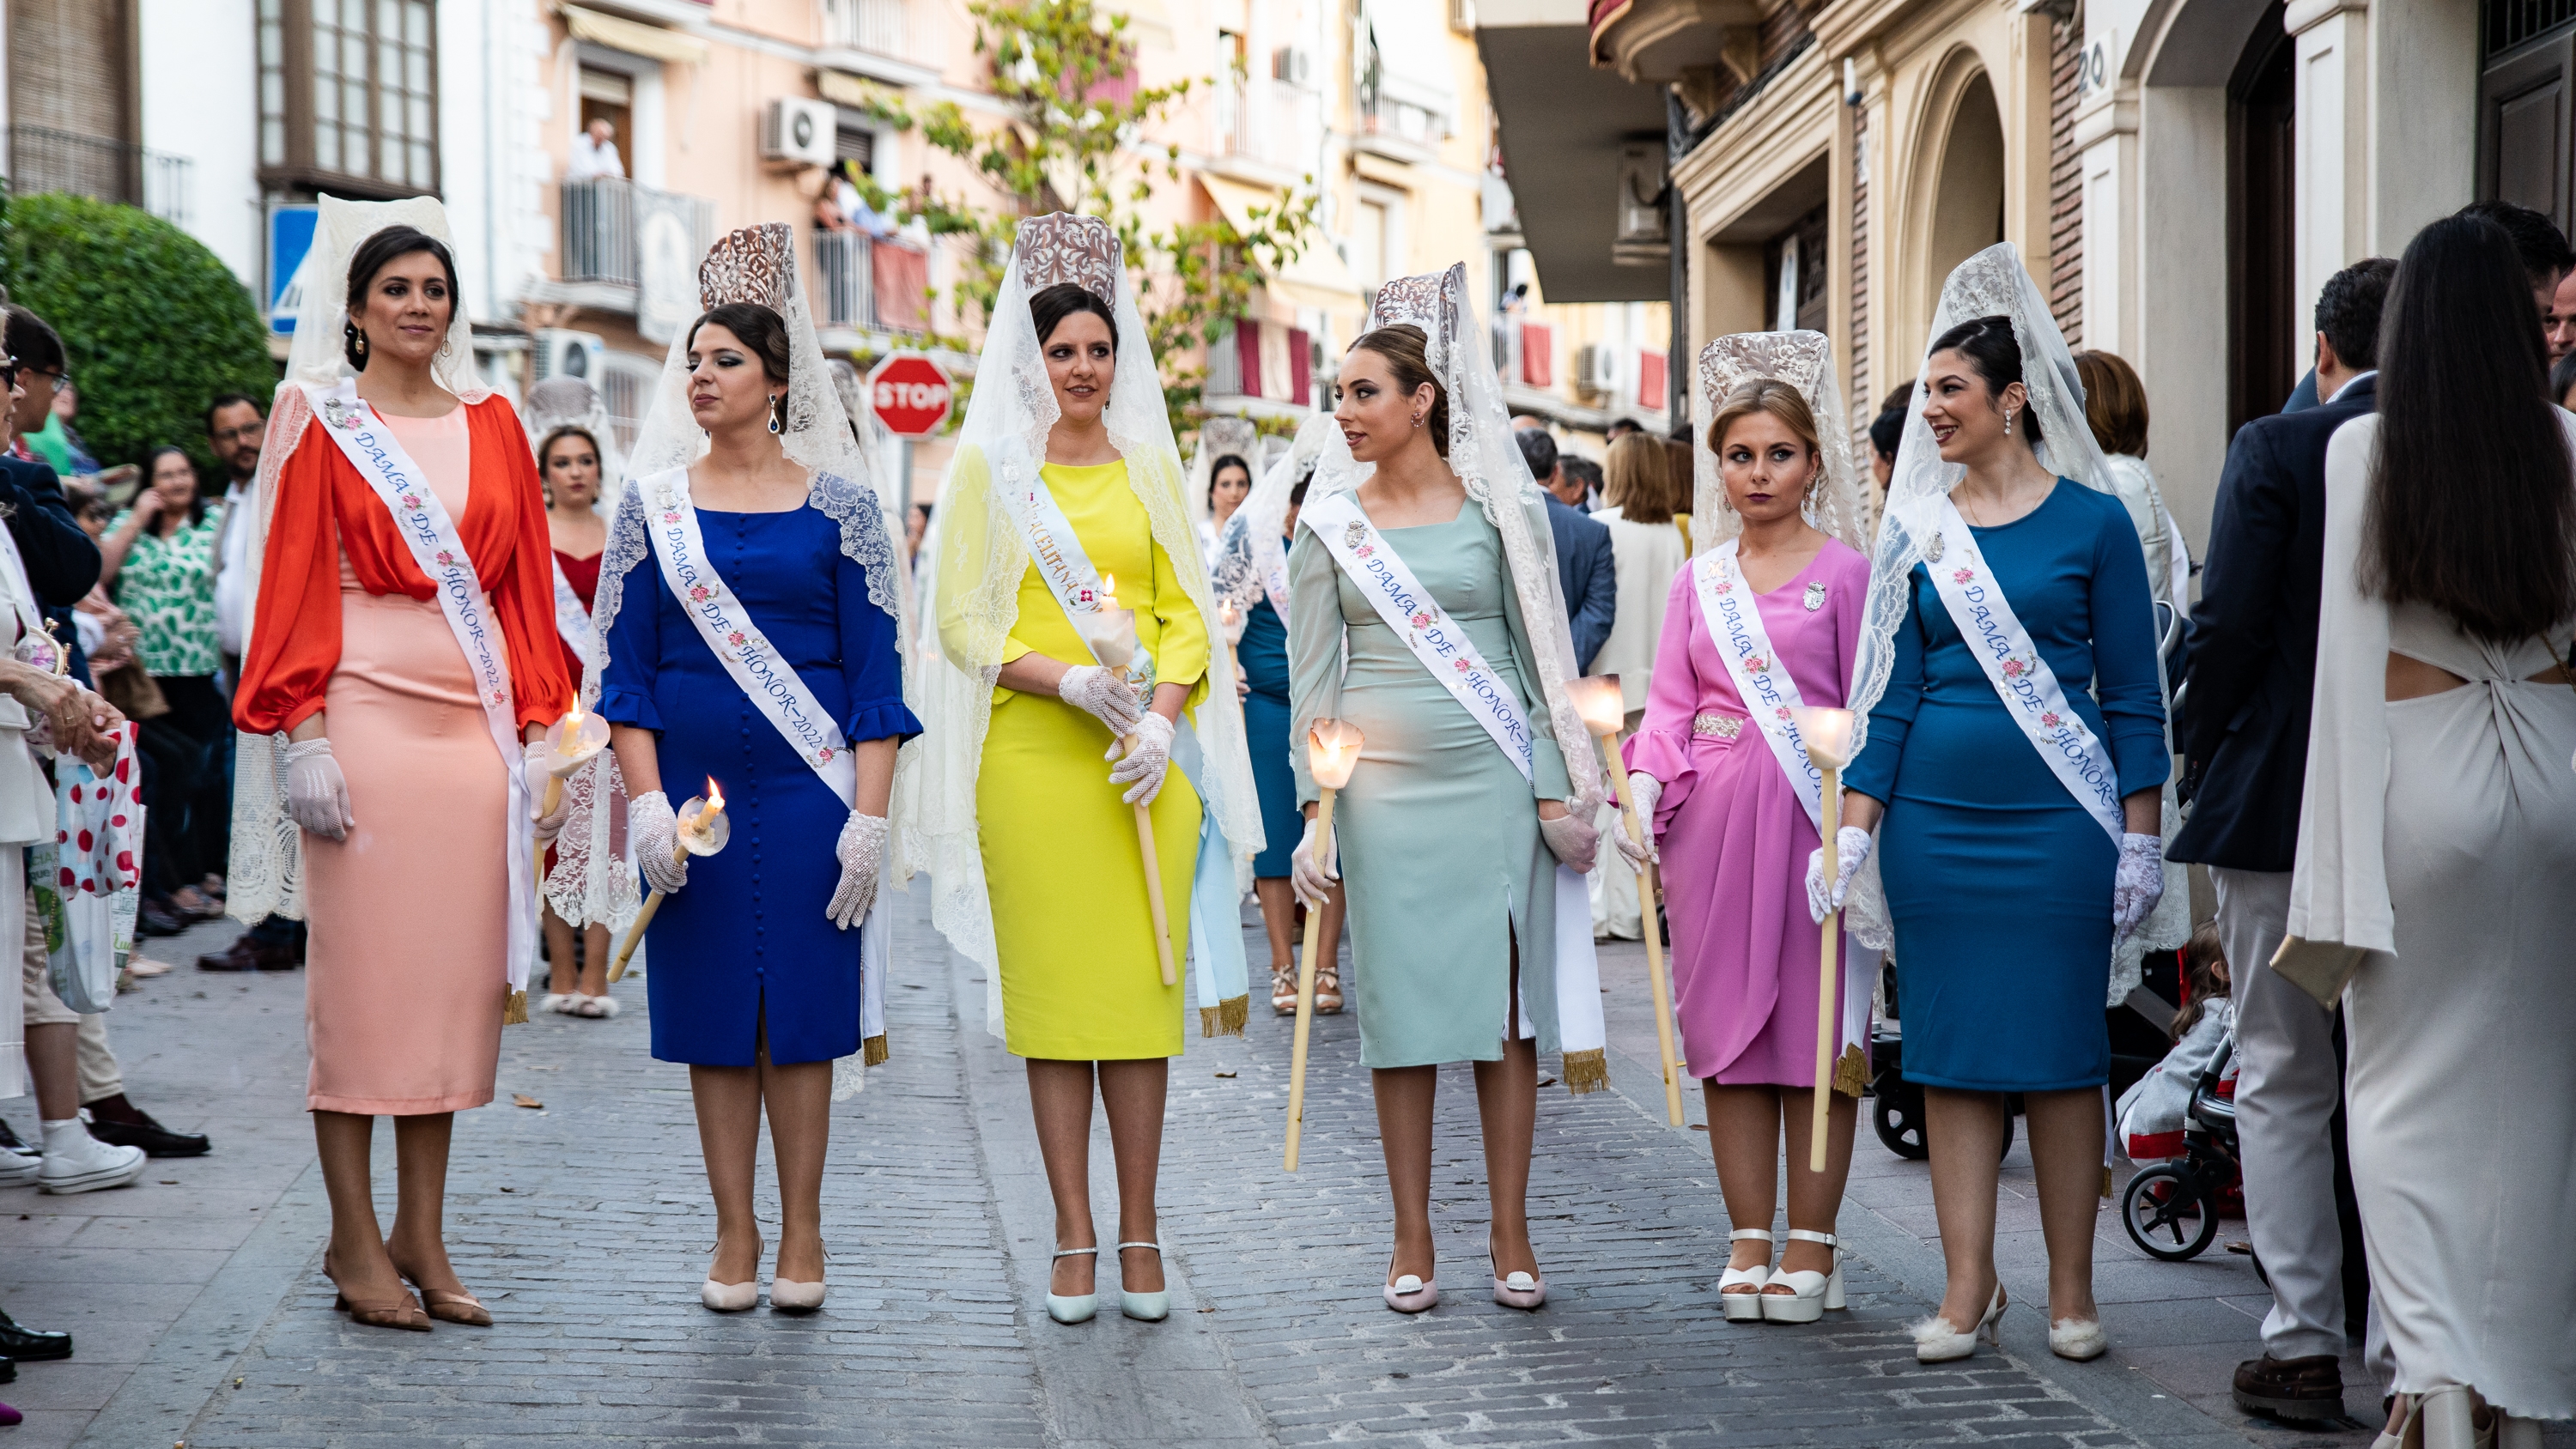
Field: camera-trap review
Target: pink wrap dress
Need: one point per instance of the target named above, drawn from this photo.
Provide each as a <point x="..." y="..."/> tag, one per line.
<point x="1733" y="835"/>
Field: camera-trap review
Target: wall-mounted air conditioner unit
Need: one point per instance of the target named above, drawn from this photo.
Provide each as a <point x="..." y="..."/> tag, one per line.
<point x="1642" y="237"/>
<point x="1597" y="368"/>
<point x="561" y="352"/>
<point x="1292" y="64"/>
<point x="793" y="128"/>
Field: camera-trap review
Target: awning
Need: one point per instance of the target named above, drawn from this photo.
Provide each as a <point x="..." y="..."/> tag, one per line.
<point x="634" y="37"/>
<point x="1317" y="278"/>
<point x="843" y="89"/>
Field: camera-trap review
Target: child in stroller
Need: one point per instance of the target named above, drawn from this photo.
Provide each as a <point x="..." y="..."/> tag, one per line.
<point x="2179" y="1121"/>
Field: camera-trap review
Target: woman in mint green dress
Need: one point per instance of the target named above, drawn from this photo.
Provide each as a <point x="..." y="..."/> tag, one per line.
<point x="1451" y="848"/>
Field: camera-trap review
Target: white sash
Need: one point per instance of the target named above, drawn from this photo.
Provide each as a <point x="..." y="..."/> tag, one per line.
<point x="2020" y="674"/>
<point x="572" y="621"/>
<point x="757" y="669"/>
<point x="1407" y="607"/>
<point x="1734" y="619"/>
<point x="1054" y="547"/>
<point x="372" y="449"/>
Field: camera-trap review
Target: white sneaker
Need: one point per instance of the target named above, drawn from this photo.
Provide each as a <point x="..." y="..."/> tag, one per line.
<point x="19" y="1169"/>
<point x="78" y="1162"/>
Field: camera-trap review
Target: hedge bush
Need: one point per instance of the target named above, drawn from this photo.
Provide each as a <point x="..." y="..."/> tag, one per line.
<point x="155" y="326"/>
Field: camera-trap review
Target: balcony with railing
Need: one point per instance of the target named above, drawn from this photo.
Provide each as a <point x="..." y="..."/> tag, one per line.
<point x="41" y="158"/>
<point x="866" y="285"/>
<point x="631" y="249"/>
<point x="1270" y="125"/>
<point x="877" y="26"/>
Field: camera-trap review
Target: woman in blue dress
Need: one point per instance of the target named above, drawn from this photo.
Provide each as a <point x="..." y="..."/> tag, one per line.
<point x="1251" y="577"/>
<point x="755" y="962"/>
<point x="2006" y="888"/>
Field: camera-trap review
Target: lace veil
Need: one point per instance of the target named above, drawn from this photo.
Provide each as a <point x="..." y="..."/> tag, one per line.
<point x="1990" y="283"/>
<point x="1253" y="544"/>
<point x="980" y="566"/>
<point x="265" y="875"/>
<point x="1489" y="463"/>
<point x="591" y="882"/>
<point x="570" y="402"/>
<point x="1805" y="361"/>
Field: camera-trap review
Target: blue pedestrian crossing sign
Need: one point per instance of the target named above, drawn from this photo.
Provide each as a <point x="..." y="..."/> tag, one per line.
<point x="290" y="238"/>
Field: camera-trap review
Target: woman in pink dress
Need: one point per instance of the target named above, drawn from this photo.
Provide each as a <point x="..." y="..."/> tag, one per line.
<point x="1770" y="609"/>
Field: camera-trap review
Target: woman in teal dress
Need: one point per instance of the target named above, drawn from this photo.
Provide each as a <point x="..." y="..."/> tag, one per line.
<point x="2006" y="891"/>
<point x="1451" y="848"/>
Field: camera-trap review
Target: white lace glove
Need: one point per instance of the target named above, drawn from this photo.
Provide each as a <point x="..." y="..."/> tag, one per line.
<point x="1104" y="696"/>
<point x="540" y="755"/>
<point x="2139" y="884"/>
<point x="1313" y="882"/>
<point x="317" y="795"/>
<point x="1574" y="842"/>
<point x="655" y="832"/>
<point x="862" y="854"/>
<point x="1851" y="847"/>
<point x="1644" y="791"/>
<point x="1142" y="771"/>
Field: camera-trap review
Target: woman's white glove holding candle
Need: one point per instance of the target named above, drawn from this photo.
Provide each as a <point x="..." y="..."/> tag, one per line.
<point x="1851" y="847"/>
<point x="1100" y="693"/>
<point x="539" y="770"/>
<point x="317" y="795"/>
<point x="1312" y="881"/>
<point x="655" y="831"/>
<point x="1143" y="768"/>
<point x="1644" y="791"/>
<point x="862" y="856"/>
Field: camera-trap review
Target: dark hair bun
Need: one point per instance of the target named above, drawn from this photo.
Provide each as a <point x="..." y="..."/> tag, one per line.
<point x="1989" y="345"/>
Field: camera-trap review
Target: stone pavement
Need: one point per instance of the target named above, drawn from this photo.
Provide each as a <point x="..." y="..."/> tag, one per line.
<point x="204" y="1320"/>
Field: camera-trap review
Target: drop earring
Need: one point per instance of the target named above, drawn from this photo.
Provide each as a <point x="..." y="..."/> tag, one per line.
<point x="777" y="413"/>
<point x="2009" y="414"/>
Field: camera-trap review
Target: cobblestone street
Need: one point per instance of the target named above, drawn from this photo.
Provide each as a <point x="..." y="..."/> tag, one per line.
<point x="580" y="1218"/>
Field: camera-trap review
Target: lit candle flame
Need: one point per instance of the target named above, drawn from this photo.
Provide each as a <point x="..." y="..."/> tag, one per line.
<point x="573" y="717"/>
<point x="1332" y="752"/>
<point x="715" y="798"/>
<point x="1596" y="697"/>
<point x="1108" y="591"/>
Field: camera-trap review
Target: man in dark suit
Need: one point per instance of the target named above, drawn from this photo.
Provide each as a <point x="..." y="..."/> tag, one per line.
<point x="2244" y="725"/>
<point x="1586" y="569"/>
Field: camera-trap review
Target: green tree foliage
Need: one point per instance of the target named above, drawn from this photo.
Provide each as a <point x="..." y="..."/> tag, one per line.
<point x="154" y="324"/>
<point x="1072" y="143"/>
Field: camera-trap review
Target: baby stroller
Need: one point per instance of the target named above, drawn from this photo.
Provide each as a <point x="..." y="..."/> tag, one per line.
<point x="2171" y="1208"/>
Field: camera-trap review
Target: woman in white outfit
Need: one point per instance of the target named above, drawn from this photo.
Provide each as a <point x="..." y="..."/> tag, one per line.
<point x="2436" y="839"/>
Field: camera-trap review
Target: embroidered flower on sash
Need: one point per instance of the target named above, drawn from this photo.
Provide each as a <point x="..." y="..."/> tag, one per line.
<point x="1364" y="550"/>
<point x="2017" y="668"/>
<point x="500" y="697"/>
<point x="824" y="754"/>
<point x="411" y="500"/>
<point x="2051" y="720"/>
<point x="1780" y="711"/>
<point x="734" y="638"/>
<point x="1723" y="586"/>
<point x="1421" y="621"/>
<point x="446" y="560"/>
<point x="1460" y="665"/>
<point x="1962" y="575"/>
<point x="671" y="517"/>
<point x="698" y="593"/>
<point x="1758" y="664"/>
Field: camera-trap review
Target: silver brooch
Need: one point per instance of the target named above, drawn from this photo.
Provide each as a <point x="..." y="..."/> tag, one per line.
<point x="1354" y="534"/>
<point x="339" y="414"/>
<point x="1932" y="550"/>
<point x="1815" y="597"/>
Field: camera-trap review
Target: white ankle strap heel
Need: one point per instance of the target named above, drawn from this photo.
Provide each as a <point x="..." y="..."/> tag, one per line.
<point x="1144" y="1307"/>
<point x="1745" y="1307"/>
<point x="1075" y="1307"/>
<point x="1810" y="1292"/>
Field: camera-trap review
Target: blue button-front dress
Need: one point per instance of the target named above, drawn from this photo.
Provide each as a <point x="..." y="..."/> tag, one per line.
<point x="1998" y="883"/>
<point x="748" y="931"/>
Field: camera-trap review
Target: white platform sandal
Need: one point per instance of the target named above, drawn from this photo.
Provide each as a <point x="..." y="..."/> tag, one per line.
<point x="1745" y="1307"/>
<point x="1810" y="1292"/>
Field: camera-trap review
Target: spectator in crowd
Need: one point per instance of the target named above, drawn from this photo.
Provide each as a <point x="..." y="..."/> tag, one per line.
<point x="236" y="430"/>
<point x="2546" y="261"/>
<point x="2243" y="731"/>
<point x="1586" y="474"/>
<point x="2561" y="326"/>
<point x="158" y="557"/>
<point x="1587" y="571"/>
<point x="2562" y="378"/>
<point x="2115" y="409"/>
<point x="56" y="442"/>
<point x="1886" y="431"/>
<point x="594" y="152"/>
<point x="2435" y="836"/>
<point x="1622" y="427"/>
<point x="1647" y="549"/>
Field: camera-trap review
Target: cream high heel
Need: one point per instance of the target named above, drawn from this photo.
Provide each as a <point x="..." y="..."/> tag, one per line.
<point x="732" y="1297"/>
<point x="1074" y="1307"/>
<point x="1935" y="1341"/>
<point x="1745" y="1307"/>
<point x="1143" y="1307"/>
<point x="2446" y="1418"/>
<point x="1409" y="1293"/>
<point x="1810" y="1292"/>
<point x="2079" y="1339"/>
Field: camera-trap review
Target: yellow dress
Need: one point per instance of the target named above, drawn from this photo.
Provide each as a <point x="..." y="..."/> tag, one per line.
<point x="1062" y="867"/>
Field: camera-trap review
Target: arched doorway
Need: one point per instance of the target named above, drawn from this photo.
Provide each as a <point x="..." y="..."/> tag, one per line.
<point x="2266" y="337"/>
<point x="1968" y="200"/>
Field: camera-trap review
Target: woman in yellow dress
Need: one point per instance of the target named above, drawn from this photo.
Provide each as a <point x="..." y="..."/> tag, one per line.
<point x="1062" y="514"/>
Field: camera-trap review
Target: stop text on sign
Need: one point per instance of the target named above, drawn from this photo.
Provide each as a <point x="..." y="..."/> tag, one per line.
<point x="910" y="394"/>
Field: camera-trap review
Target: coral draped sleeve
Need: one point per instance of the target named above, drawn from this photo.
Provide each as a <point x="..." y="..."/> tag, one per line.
<point x="324" y="509"/>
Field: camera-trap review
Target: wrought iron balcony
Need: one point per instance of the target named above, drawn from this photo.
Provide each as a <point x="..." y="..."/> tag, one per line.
<point x="44" y="159"/>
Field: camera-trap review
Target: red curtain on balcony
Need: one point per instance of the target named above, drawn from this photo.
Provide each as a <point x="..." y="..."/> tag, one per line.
<point x="901" y="278"/>
<point x="1273" y="361"/>
<point x="1653" y="384"/>
<point x="1538" y="355"/>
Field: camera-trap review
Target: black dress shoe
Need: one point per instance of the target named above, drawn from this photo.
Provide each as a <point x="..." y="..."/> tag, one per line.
<point x="28" y="1345"/>
<point x="2298" y="1390"/>
<point x="155" y="1139"/>
<point x="155" y="918"/>
<point x="8" y="1369"/>
<point x="247" y="954"/>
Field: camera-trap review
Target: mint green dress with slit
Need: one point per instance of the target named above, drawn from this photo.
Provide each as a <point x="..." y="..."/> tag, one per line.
<point x="1438" y="831"/>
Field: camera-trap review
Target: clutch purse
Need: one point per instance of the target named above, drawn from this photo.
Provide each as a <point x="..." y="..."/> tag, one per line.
<point x="2320" y="968"/>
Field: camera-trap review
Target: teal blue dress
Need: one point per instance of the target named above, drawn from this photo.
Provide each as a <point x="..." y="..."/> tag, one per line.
<point x="1998" y="883"/>
<point x="1264" y="657"/>
<point x="1438" y="831"/>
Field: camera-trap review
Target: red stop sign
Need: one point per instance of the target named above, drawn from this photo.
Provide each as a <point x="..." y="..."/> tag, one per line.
<point x="909" y="394"/>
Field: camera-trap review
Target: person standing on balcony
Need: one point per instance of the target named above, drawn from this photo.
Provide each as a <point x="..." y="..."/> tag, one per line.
<point x="594" y="153"/>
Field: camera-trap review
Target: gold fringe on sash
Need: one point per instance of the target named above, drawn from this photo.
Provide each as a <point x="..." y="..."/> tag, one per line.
<point x="1587" y="1071"/>
<point x="1227" y="1018"/>
<point x="1851" y="1073"/>
<point x="514" y="1012"/>
<point x="875" y="1051"/>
